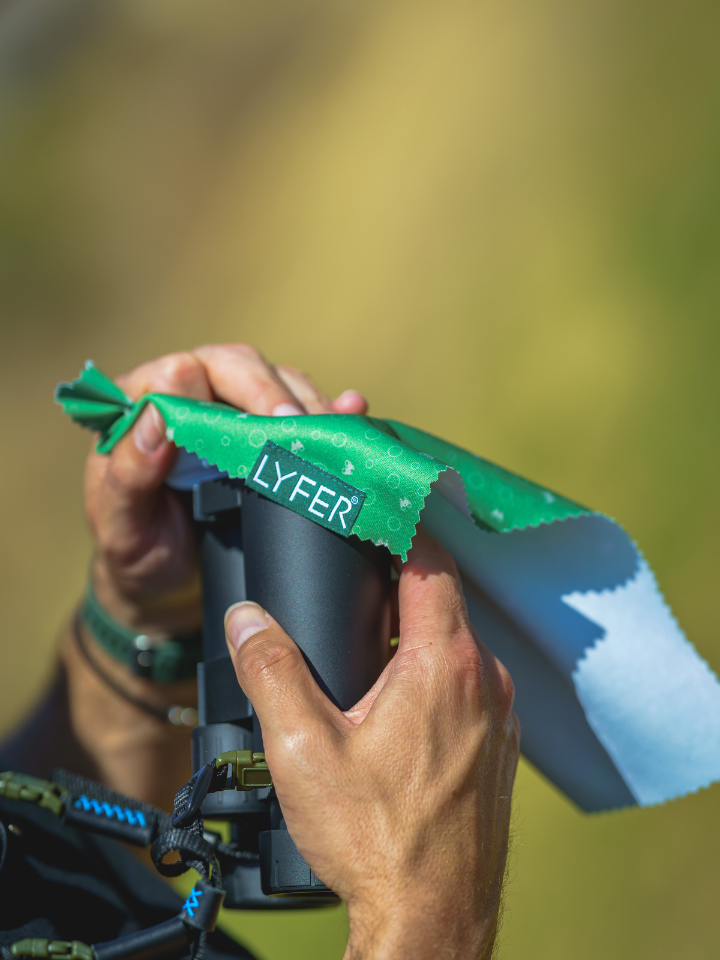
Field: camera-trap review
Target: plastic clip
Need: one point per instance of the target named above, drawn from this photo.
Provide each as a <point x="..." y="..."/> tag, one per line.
<point x="249" y="770"/>
<point x="20" y="786"/>
<point x="59" y="949"/>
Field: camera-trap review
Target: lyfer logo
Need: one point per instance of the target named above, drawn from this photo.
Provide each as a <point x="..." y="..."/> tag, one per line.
<point x="306" y="489"/>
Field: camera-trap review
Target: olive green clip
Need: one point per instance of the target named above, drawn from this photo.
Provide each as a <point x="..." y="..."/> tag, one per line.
<point x="249" y="770"/>
<point x="58" y="949"/>
<point x="20" y="786"/>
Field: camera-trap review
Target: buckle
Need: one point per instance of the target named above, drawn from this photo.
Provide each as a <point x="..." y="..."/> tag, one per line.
<point x="249" y="770"/>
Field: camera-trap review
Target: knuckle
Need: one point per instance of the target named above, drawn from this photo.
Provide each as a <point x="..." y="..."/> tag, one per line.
<point x="259" y="660"/>
<point x="179" y="368"/>
<point x="244" y="350"/>
<point x="446" y="593"/>
<point x="134" y="382"/>
<point x="263" y="393"/>
<point x="290" y="371"/>
<point x="454" y="603"/>
<point x="444" y="589"/>
<point x="468" y="664"/>
<point x="437" y="595"/>
<point x="506" y="689"/>
<point x="263" y="390"/>
<point x="220" y="353"/>
<point x="299" y="380"/>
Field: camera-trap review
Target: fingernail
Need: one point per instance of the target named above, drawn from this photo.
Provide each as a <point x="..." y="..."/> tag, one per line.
<point x="244" y="620"/>
<point x="149" y="431"/>
<point x="350" y="398"/>
<point x="287" y="410"/>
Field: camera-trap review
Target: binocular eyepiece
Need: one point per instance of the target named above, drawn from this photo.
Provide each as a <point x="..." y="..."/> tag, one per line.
<point x="331" y="594"/>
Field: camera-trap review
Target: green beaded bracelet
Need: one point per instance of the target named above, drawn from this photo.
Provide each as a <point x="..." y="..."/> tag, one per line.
<point x="168" y="661"/>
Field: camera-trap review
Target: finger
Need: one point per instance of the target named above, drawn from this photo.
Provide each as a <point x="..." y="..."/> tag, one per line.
<point x="430" y="597"/>
<point x="431" y="609"/>
<point x="301" y="386"/>
<point x="350" y="401"/>
<point x="313" y="399"/>
<point x="240" y="376"/>
<point x="433" y="613"/>
<point x="181" y="374"/>
<point x="140" y="463"/>
<point x="273" y="674"/>
<point x="122" y="488"/>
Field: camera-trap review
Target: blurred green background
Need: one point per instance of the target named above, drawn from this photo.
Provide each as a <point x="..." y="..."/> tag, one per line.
<point x="501" y="221"/>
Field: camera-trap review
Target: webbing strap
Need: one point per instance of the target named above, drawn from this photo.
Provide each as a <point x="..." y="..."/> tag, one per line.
<point x="79" y="786"/>
<point x="194" y="852"/>
<point x="186" y="837"/>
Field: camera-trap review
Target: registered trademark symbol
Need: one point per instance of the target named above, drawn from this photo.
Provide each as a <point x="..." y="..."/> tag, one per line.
<point x="354" y="499"/>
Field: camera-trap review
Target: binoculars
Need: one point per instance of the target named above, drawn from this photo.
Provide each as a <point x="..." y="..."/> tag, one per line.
<point x="331" y="594"/>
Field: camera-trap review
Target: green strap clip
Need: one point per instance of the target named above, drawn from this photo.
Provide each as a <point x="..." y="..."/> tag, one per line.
<point x="20" y="786"/>
<point x="60" y="949"/>
<point x="249" y="770"/>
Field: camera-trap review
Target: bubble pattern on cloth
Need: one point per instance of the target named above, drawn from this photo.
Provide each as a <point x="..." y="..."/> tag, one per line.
<point x="393" y="464"/>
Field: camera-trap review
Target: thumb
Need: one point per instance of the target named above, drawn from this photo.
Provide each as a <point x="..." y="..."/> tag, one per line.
<point x="272" y="672"/>
<point x="143" y="458"/>
<point x="123" y="490"/>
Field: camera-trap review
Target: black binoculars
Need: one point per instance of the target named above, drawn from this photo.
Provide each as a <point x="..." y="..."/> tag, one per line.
<point x="331" y="594"/>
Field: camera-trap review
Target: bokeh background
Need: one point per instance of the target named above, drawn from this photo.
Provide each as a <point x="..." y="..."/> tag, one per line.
<point x="499" y="220"/>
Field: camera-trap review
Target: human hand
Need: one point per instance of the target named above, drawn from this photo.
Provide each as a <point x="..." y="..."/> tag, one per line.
<point x="400" y="805"/>
<point x="145" y="570"/>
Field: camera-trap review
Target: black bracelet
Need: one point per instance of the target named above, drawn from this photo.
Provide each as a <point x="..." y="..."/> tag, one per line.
<point x="177" y="715"/>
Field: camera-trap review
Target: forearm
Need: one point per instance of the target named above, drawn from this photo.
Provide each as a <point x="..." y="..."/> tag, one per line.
<point x="44" y="739"/>
<point x="439" y="913"/>
<point x="132" y="750"/>
<point x="428" y="932"/>
<point x="83" y="724"/>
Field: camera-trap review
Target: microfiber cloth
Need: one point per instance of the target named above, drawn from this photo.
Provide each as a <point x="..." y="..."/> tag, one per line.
<point x="616" y="706"/>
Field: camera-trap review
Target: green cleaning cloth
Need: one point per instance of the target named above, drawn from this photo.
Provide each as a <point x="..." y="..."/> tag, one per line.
<point x="616" y="705"/>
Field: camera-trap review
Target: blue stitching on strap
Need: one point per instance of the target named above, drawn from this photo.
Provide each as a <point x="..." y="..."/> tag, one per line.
<point x="104" y="809"/>
<point x="192" y="901"/>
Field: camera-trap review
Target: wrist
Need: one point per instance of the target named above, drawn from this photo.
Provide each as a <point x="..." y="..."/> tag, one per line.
<point x="157" y="657"/>
<point x="425" y="929"/>
<point x="106" y="676"/>
<point x="155" y="611"/>
<point x="130" y="750"/>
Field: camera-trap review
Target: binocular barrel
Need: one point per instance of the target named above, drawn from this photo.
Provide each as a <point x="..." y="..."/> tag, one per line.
<point x="331" y="594"/>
